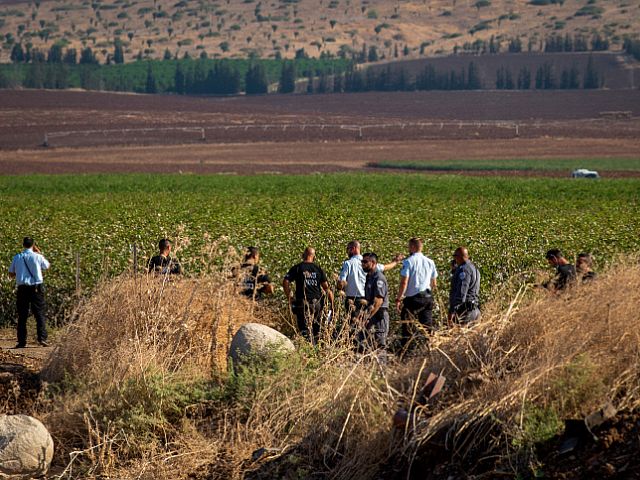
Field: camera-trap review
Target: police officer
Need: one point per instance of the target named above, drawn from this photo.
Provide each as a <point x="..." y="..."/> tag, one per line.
<point x="375" y="317"/>
<point x="254" y="281"/>
<point x="565" y="271"/>
<point x="417" y="282"/>
<point x="26" y="267"/>
<point x="465" y="287"/>
<point x="352" y="278"/>
<point x="311" y="289"/>
<point x="164" y="263"/>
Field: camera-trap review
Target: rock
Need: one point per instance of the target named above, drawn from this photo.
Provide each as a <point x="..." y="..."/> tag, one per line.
<point x="257" y="339"/>
<point x="26" y="447"/>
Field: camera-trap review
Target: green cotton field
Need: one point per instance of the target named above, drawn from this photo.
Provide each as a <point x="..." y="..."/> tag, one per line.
<point x="520" y="164"/>
<point x="507" y="223"/>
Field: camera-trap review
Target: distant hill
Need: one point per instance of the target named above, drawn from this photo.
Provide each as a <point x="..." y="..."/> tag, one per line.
<point x="239" y="28"/>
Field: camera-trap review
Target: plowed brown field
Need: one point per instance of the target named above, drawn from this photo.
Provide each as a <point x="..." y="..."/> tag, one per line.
<point x="104" y="132"/>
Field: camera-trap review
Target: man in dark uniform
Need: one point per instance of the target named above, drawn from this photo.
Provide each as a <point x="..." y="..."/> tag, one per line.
<point x="565" y="272"/>
<point x="311" y="289"/>
<point x="26" y="267"/>
<point x="465" y="287"/>
<point x="254" y="281"/>
<point x="163" y="263"/>
<point x="376" y="316"/>
<point x="352" y="278"/>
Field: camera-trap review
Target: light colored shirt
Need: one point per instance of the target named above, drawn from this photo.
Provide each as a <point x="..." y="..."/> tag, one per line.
<point x="355" y="276"/>
<point x="420" y="270"/>
<point x="28" y="266"/>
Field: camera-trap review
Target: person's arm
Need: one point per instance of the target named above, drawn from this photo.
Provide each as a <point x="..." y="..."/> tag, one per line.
<point x="12" y="269"/>
<point x="393" y="263"/>
<point x="329" y="293"/>
<point x="404" y="281"/>
<point x="342" y="276"/>
<point x="373" y="309"/>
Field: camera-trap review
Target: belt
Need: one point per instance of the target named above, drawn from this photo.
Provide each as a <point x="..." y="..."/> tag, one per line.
<point x="424" y="293"/>
<point x="24" y="285"/>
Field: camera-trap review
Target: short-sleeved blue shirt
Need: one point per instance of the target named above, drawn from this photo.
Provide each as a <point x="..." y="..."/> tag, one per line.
<point x="420" y="270"/>
<point x="354" y="275"/>
<point x="28" y="266"/>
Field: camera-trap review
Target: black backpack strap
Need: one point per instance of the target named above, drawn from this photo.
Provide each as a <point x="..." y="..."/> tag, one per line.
<point x="28" y="269"/>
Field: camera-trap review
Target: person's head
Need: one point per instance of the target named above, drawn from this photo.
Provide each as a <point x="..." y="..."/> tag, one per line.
<point x="584" y="263"/>
<point x="415" y="245"/>
<point x="164" y="245"/>
<point x="461" y="255"/>
<point x="27" y="242"/>
<point x="554" y="257"/>
<point x="309" y="254"/>
<point x="253" y="253"/>
<point x="353" y="248"/>
<point x="369" y="262"/>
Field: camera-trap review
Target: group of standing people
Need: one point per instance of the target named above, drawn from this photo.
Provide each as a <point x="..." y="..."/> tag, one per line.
<point x="365" y="288"/>
<point x="361" y="281"/>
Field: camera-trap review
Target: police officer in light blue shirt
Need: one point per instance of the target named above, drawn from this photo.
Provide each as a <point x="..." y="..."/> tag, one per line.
<point x="352" y="278"/>
<point x="26" y="267"/>
<point x="415" y="293"/>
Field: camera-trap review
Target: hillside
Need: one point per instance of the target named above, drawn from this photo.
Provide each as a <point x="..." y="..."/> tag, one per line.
<point x="238" y="28"/>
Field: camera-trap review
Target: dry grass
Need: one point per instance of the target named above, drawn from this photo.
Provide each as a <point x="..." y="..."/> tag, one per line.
<point x="142" y="349"/>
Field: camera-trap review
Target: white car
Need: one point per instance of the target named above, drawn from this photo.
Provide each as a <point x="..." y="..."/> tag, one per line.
<point x="584" y="173"/>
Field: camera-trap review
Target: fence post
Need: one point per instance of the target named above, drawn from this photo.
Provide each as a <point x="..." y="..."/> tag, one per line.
<point x="135" y="258"/>
<point x="78" y="273"/>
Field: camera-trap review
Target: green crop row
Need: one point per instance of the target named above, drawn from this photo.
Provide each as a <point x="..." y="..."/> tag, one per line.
<point x="526" y="164"/>
<point x="507" y="223"/>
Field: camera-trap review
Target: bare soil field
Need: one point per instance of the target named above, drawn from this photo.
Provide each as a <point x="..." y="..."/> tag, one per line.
<point x="117" y="119"/>
<point x="304" y="157"/>
<point x="92" y="132"/>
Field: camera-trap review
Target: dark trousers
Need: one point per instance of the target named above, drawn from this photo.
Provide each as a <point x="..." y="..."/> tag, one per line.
<point x="374" y="335"/>
<point x="420" y="308"/>
<point x="31" y="297"/>
<point x="309" y="319"/>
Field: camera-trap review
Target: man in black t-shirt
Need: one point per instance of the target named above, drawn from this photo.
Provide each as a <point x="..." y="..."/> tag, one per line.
<point x="311" y="289"/>
<point x="163" y="263"/>
<point x="565" y="272"/>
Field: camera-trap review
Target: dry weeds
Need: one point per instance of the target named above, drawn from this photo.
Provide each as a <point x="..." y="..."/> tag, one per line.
<point x="142" y="345"/>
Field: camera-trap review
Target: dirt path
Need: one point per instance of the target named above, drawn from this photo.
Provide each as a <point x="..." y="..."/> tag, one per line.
<point x="34" y="354"/>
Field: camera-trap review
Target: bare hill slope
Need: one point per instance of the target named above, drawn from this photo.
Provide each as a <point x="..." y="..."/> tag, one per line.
<point x="230" y="28"/>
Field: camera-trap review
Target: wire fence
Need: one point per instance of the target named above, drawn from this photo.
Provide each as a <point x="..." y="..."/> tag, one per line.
<point x="292" y="132"/>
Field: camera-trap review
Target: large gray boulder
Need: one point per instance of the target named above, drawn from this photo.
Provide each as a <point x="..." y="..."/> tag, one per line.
<point x="254" y="339"/>
<point x="26" y="447"/>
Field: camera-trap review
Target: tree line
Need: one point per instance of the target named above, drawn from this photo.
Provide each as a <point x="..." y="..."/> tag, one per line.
<point x="546" y="78"/>
<point x="550" y="44"/>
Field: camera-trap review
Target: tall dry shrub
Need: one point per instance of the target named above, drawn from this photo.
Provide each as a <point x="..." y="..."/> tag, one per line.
<point x="139" y="351"/>
<point x="567" y="354"/>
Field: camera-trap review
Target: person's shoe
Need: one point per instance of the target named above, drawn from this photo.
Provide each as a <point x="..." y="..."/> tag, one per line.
<point x="20" y="345"/>
<point x="43" y="343"/>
